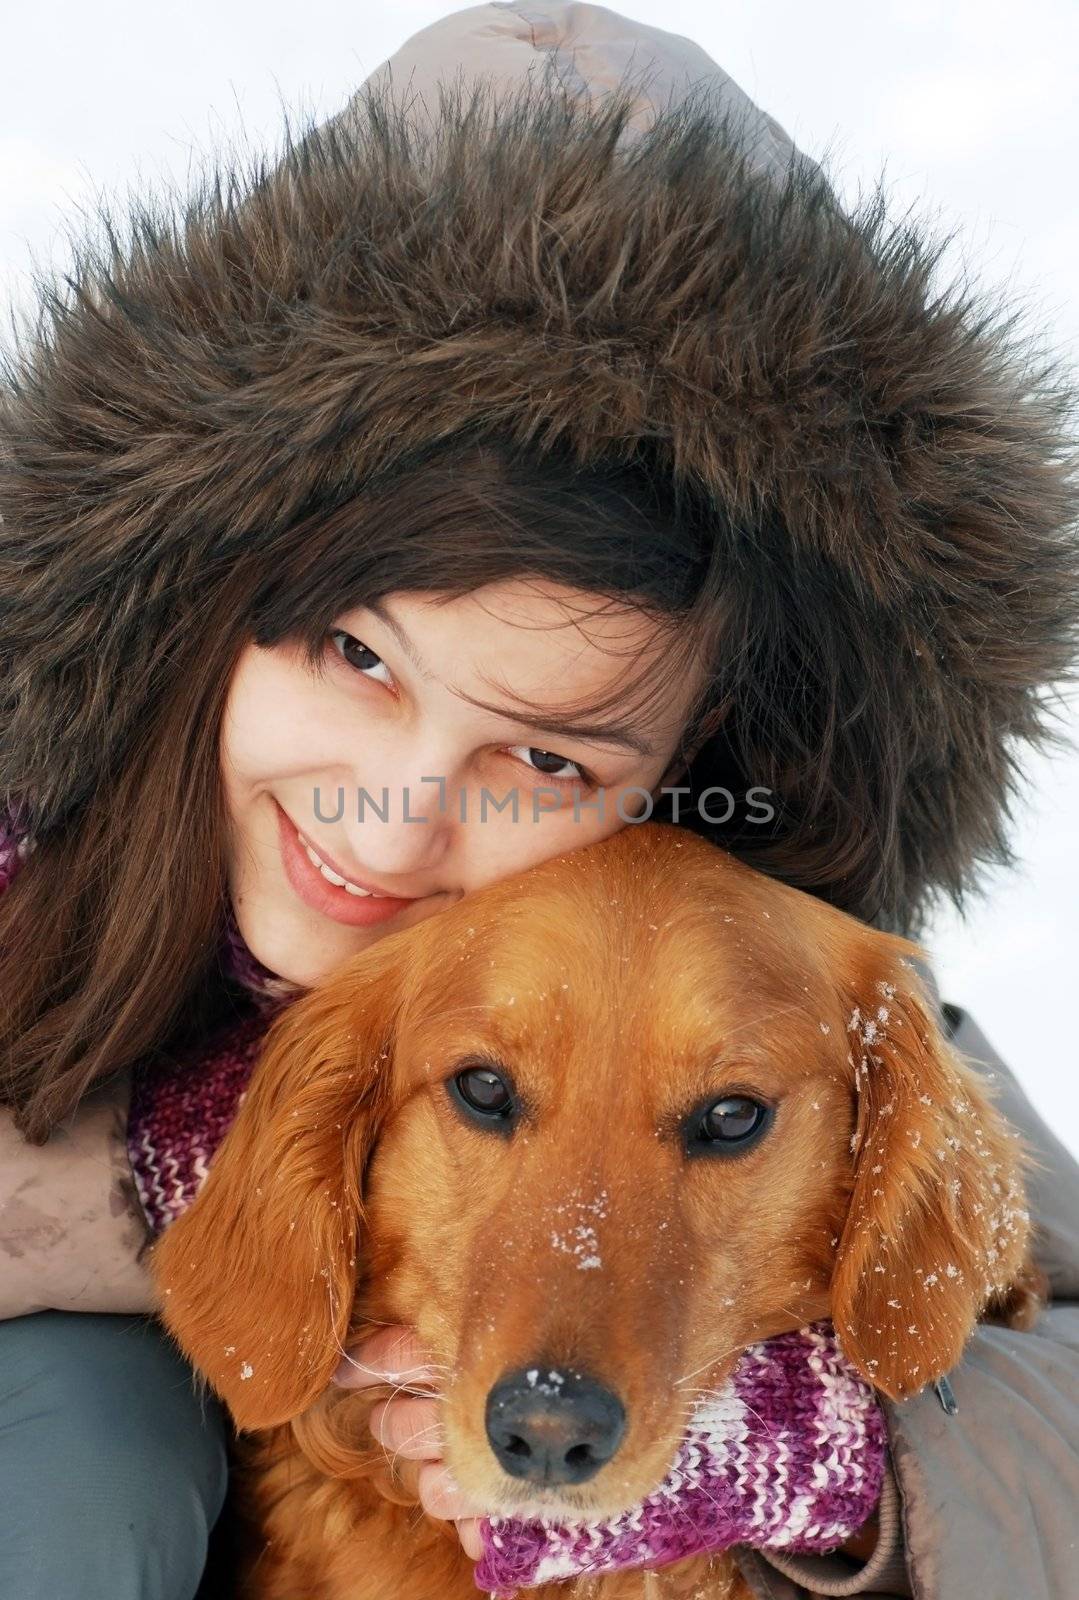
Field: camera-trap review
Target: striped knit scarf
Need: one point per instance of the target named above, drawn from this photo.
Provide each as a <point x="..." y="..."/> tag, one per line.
<point x="788" y="1453"/>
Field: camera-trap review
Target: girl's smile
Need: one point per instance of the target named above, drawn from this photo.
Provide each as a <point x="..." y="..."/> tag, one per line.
<point x="352" y="906"/>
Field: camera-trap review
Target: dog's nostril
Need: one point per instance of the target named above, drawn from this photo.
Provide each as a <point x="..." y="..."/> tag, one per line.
<point x="559" y="1429"/>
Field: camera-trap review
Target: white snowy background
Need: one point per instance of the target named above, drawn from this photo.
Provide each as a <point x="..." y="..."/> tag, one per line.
<point x="968" y="108"/>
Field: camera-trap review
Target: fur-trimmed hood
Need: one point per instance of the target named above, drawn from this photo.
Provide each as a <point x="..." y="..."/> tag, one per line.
<point x="885" y="465"/>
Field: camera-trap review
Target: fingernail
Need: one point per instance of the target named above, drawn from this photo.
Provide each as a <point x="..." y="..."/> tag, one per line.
<point x="350" y="1372"/>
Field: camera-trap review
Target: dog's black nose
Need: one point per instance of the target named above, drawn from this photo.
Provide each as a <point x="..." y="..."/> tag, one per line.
<point x="551" y="1426"/>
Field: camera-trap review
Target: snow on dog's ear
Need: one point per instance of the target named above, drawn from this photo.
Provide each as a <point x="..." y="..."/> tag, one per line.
<point x="257" y="1279"/>
<point x="937" y="1223"/>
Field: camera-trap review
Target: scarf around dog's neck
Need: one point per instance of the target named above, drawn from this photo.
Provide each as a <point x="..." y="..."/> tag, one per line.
<point x="789" y="1453"/>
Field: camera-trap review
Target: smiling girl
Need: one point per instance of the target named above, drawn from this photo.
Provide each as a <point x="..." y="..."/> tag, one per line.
<point x="551" y="453"/>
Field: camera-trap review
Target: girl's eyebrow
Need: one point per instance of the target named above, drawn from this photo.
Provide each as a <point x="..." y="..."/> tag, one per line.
<point x="616" y="732"/>
<point x="602" y="733"/>
<point x="379" y="610"/>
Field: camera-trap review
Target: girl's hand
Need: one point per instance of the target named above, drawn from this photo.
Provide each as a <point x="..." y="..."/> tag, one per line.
<point x="408" y="1426"/>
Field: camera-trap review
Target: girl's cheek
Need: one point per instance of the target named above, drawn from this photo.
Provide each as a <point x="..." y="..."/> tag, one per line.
<point x="497" y="846"/>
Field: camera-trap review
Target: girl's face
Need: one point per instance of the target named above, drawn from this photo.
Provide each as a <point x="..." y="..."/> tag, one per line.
<point x="457" y="796"/>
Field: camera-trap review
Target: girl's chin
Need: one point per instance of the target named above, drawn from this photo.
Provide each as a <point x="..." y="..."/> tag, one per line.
<point x="302" y="968"/>
<point x="297" y="944"/>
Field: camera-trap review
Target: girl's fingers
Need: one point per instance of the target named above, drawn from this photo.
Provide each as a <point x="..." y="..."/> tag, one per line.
<point x="390" y="1355"/>
<point x="441" y="1496"/>
<point x="469" y="1530"/>
<point x="408" y="1428"/>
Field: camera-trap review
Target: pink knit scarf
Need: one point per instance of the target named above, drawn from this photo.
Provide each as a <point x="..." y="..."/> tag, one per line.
<point x="788" y="1453"/>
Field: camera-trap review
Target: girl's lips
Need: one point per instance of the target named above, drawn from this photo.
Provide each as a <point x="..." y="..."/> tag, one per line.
<point x="352" y="877"/>
<point x="355" y="911"/>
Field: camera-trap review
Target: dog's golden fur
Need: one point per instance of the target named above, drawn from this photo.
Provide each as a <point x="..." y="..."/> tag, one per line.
<point x="620" y="986"/>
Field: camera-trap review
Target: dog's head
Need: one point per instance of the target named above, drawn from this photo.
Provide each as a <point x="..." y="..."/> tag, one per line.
<point x="592" y="1131"/>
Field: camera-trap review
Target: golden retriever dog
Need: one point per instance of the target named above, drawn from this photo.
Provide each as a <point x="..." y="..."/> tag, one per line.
<point x="734" y="1094"/>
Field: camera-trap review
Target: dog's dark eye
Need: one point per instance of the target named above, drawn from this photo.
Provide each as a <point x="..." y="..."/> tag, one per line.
<point x="730" y="1124"/>
<point x="484" y="1092"/>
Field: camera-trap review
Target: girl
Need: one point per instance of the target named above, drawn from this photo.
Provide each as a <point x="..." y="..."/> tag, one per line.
<point x="577" y="453"/>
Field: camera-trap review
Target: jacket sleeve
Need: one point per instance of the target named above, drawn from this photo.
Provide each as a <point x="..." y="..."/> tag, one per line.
<point x="987" y="1497"/>
<point x="73" y="1233"/>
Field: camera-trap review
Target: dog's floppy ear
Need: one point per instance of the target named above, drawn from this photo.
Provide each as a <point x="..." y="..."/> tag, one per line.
<point x="937" y="1222"/>
<point x="257" y="1278"/>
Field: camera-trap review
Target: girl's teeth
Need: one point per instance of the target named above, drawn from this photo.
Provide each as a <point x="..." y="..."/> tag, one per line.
<point x="332" y="877"/>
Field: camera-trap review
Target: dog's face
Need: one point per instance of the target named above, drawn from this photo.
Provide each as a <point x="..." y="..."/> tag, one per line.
<point x="592" y="1132"/>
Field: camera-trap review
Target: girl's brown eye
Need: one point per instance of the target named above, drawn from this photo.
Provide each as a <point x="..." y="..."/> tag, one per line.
<point x="537" y="757"/>
<point x="548" y="755"/>
<point x="356" y="654"/>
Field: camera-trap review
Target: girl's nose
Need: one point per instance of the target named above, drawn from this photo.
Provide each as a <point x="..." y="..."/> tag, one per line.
<point x="399" y="825"/>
